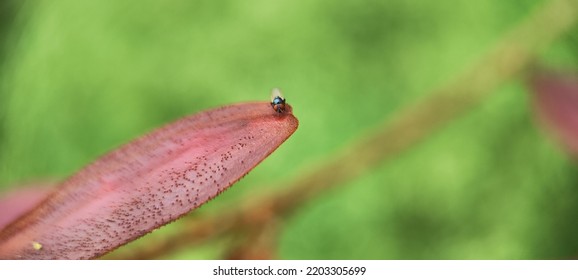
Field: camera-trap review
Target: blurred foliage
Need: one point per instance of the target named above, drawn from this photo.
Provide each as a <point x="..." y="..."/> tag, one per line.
<point x="79" y="78"/>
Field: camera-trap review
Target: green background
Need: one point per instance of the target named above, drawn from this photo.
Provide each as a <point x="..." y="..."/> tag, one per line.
<point x="79" y="78"/>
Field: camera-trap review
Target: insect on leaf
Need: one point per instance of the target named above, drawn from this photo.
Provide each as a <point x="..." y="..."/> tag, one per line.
<point x="148" y="182"/>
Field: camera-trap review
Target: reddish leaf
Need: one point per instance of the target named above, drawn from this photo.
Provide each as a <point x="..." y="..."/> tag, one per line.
<point x="148" y="182"/>
<point x="16" y="203"/>
<point x="556" y="101"/>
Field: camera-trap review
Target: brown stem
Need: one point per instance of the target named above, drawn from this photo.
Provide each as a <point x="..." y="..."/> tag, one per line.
<point x="412" y="124"/>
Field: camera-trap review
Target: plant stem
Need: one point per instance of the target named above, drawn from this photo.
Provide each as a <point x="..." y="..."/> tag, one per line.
<point x="513" y="54"/>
